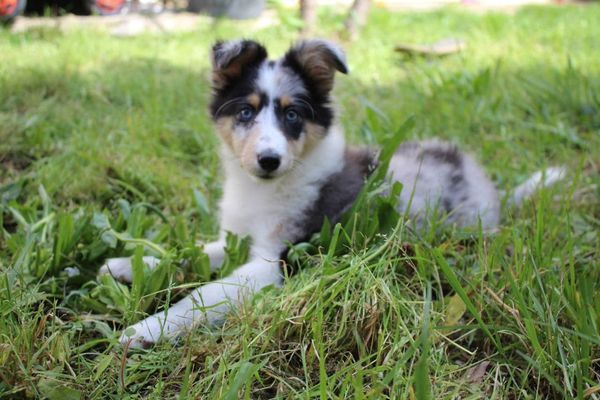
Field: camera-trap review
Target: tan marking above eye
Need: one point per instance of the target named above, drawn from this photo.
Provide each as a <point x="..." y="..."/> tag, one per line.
<point x="285" y="101"/>
<point x="254" y="100"/>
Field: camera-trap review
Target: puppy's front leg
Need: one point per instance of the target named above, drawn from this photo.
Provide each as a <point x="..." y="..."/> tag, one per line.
<point x="216" y="253"/>
<point x="120" y="267"/>
<point x="208" y="304"/>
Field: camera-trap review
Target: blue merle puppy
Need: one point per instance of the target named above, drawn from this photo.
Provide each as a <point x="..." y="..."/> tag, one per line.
<point x="287" y="167"/>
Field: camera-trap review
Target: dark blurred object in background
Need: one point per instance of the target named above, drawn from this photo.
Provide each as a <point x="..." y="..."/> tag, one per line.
<point x="235" y="9"/>
<point x="78" y="7"/>
<point x="9" y="9"/>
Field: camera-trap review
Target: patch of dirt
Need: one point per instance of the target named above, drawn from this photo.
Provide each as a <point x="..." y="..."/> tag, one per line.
<point x="12" y="165"/>
<point x="15" y="162"/>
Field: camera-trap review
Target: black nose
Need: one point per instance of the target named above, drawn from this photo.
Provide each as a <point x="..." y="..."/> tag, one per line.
<point x="269" y="161"/>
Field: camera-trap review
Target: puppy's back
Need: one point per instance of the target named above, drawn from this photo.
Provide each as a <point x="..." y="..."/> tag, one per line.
<point x="437" y="176"/>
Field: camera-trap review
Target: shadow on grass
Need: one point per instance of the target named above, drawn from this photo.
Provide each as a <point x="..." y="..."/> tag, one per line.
<point x="142" y="123"/>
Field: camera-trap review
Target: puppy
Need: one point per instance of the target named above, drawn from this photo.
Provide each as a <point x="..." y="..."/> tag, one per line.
<point x="287" y="167"/>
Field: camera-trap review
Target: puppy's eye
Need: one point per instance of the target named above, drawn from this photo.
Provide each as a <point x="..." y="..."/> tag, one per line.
<point x="246" y="114"/>
<point x="291" y="116"/>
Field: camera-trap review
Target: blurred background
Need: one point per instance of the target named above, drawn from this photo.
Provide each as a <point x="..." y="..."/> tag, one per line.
<point x="237" y="9"/>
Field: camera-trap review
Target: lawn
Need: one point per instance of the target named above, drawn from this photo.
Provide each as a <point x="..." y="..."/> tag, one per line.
<point x="106" y="149"/>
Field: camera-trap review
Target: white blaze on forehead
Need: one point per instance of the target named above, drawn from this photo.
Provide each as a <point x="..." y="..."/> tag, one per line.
<point x="276" y="81"/>
<point x="270" y="136"/>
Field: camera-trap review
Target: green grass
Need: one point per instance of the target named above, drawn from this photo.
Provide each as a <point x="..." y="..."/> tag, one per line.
<point x="106" y="150"/>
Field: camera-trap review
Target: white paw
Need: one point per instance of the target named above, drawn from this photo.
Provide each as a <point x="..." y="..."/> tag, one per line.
<point x="120" y="268"/>
<point x="142" y="334"/>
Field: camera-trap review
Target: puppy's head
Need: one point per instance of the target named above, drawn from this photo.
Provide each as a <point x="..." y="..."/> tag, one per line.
<point x="270" y="114"/>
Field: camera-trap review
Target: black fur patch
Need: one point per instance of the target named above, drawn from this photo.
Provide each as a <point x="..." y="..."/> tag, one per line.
<point x="448" y="155"/>
<point x="454" y="195"/>
<point x="456" y="178"/>
<point x="239" y="88"/>
<point x="438" y="153"/>
<point x="339" y="191"/>
<point x="291" y="130"/>
<point x="447" y="204"/>
<point x="335" y="197"/>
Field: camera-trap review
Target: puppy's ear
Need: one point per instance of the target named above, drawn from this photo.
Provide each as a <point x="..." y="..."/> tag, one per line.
<point x="230" y="58"/>
<point x="317" y="60"/>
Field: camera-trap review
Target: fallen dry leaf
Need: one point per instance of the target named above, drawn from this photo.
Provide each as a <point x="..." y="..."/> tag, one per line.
<point x="477" y="373"/>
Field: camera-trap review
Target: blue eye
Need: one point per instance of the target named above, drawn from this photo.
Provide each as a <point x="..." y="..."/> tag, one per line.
<point x="291" y="116"/>
<point x="246" y="114"/>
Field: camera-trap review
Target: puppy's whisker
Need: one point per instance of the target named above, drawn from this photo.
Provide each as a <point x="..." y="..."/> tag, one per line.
<point x="228" y="103"/>
<point x="307" y="105"/>
<point x="298" y="163"/>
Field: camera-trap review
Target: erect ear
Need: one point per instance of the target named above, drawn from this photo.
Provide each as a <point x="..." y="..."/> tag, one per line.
<point x="230" y="58"/>
<point x="317" y="60"/>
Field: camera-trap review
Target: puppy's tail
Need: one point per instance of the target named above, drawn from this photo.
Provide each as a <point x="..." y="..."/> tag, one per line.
<point x="539" y="179"/>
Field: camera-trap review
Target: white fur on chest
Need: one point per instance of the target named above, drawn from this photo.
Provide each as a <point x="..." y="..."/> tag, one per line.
<point x="270" y="211"/>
